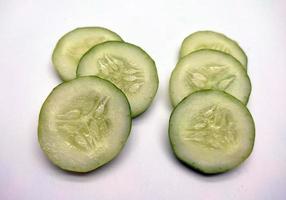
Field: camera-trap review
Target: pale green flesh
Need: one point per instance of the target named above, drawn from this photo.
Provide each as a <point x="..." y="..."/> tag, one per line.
<point x="213" y="40"/>
<point x="73" y="45"/>
<point x="211" y="131"/>
<point x="128" y="67"/>
<point x="84" y="123"/>
<point x="209" y="69"/>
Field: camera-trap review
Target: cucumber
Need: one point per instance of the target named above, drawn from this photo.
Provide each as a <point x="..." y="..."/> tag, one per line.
<point x="84" y="123"/>
<point x="209" y="69"/>
<point x="73" y="45"/>
<point x="213" y="40"/>
<point x="127" y="66"/>
<point x="211" y="131"/>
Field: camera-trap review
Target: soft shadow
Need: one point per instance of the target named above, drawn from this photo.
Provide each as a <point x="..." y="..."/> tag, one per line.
<point x="217" y="176"/>
<point x="53" y="72"/>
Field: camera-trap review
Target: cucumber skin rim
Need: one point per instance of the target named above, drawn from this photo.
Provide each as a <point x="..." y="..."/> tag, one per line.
<point x="58" y="44"/>
<point x="146" y="54"/>
<point x="102" y="164"/>
<point x="216" y="33"/>
<point x="247" y="76"/>
<point x="193" y="164"/>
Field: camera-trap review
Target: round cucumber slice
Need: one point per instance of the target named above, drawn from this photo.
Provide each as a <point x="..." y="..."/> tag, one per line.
<point x="84" y="123"/>
<point x="209" y="69"/>
<point x="73" y="45"/>
<point x="211" y="131"/>
<point x="127" y="66"/>
<point x="213" y="40"/>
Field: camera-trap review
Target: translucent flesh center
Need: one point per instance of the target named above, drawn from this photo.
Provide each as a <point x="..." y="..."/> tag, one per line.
<point x="84" y="125"/>
<point x="211" y="76"/>
<point x="213" y="128"/>
<point x="125" y="75"/>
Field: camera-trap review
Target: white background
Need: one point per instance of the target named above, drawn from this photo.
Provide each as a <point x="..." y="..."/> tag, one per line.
<point x="146" y="168"/>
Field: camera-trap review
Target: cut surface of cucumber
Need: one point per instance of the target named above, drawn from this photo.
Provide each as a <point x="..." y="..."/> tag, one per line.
<point x="209" y="69"/>
<point x="73" y="45"/>
<point x="127" y="66"/>
<point x="213" y="40"/>
<point x="211" y="131"/>
<point x="84" y="123"/>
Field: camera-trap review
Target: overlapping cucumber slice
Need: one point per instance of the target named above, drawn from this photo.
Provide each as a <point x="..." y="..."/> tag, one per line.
<point x="209" y="69"/>
<point x="128" y="67"/>
<point x="213" y="40"/>
<point x="84" y="123"/>
<point x="73" y="45"/>
<point x="211" y="131"/>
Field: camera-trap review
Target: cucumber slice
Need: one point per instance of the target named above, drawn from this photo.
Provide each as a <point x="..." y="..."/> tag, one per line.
<point x="211" y="131"/>
<point x="213" y="40"/>
<point x="127" y="66"/>
<point x="84" y="123"/>
<point x="209" y="69"/>
<point x="73" y="45"/>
